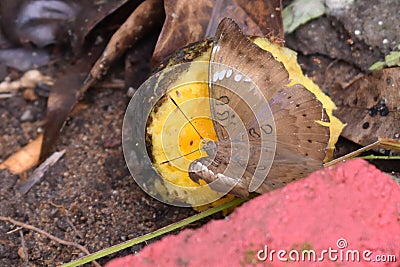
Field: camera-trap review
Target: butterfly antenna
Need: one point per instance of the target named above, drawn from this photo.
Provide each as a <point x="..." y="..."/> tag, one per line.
<point x="173" y="101"/>
<point x="181" y="156"/>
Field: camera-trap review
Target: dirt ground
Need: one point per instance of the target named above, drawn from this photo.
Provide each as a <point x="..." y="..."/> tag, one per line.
<point x="89" y="196"/>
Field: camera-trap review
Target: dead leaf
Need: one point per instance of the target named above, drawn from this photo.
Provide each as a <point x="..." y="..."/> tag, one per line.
<point x="94" y="13"/>
<point x="37" y="22"/>
<point x="190" y="21"/>
<point x="186" y="22"/>
<point x="257" y="17"/>
<point x="24" y="59"/>
<point x="66" y="92"/>
<point x="70" y="87"/>
<point x="143" y="19"/>
<point x="371" y="107"/>
<point x="25" y="158"/>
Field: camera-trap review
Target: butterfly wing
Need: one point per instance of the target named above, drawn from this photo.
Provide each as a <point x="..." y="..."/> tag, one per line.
<point x="301" y="139"/>
<point x="243" y="79"/>
<point x="234" y="78"/>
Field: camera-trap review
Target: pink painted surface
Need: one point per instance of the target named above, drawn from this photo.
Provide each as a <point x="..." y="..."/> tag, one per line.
<point x="353" y="202"/>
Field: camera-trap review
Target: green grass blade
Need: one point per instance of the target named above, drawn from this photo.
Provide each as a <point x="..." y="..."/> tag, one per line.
<point x="159" y="232"/>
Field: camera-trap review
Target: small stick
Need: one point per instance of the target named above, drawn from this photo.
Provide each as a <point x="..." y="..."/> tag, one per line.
<point x="50" y="236"/>
<point x="352" y="154"/>
<point x="65" y="212"/>
<point x="6" y="95"/>
<point x="142" y="20"/>
<point x="15" y="230"/>
<point x="382" y="142"/>
<point x="24" y="250"/>
<point x="40" y="171"/>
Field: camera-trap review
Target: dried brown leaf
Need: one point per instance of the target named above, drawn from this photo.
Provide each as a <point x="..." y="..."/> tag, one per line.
<point x="371" y="107"/>
<point x="25" y="158"/>
<point x="64" y="95"/>
<point x="191" y="21"/>
<point x="257" y="17"/>
<point x="186" y="22"/>
<point x="93" y="13"/>
<point x="71" y="86"/>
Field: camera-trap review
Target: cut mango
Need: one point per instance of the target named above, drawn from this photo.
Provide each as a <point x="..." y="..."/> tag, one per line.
<point x="172" y="136"/>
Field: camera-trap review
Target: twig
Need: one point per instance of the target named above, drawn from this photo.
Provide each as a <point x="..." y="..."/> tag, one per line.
<point x="50" y="236"/>
<point x="6" y="95"/>
<point x="24" y="250"/>
<point x="40" y="171"/>
<point x="15" y="230"/>
<point x="116" y="84"/>
<point x="65" y="212"/>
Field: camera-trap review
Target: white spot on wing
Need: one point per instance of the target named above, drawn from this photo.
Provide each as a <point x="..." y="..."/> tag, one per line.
<point x="229" y="73"/>
<point x="247" y="79"/>
<point x="215" y="77"/>
<point x="238" y="77"/>
<point x="221" y="74"/>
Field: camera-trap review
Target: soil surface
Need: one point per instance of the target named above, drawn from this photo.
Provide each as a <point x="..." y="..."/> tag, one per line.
<point x="88" y="196"/>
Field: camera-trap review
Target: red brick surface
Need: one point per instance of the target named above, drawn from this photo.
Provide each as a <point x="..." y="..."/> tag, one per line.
<point x="354" y="202"/>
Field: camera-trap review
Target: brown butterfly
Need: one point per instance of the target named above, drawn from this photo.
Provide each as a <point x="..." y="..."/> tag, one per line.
<point x="260" y="147"/>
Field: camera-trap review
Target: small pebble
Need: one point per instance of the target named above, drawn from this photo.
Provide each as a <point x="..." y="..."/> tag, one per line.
<point x="131" y="91"/>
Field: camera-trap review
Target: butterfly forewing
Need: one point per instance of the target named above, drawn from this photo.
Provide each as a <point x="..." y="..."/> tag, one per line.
<point x="245" y="76"/>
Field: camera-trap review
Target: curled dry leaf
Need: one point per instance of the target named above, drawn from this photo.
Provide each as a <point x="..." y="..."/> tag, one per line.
<point x="25" y="158"/>
<point x="371" y="107"/>
<point x="29" y="27"/>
